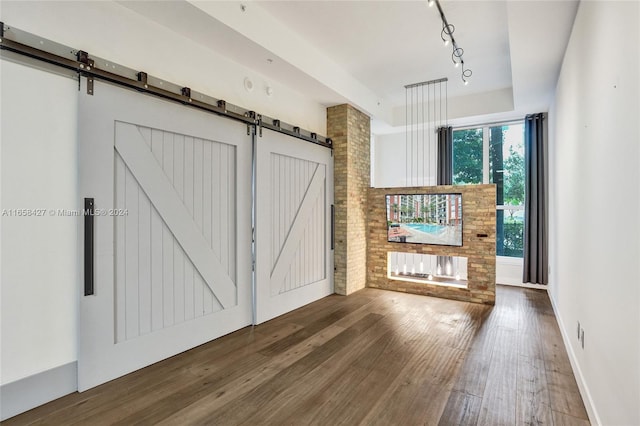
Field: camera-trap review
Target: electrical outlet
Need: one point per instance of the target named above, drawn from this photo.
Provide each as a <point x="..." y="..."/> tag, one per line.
<point x="582" y="338"/>
<point x="578" y="330"/>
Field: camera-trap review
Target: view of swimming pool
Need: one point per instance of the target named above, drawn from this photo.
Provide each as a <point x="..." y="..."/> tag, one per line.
<point x="427" y="227"/>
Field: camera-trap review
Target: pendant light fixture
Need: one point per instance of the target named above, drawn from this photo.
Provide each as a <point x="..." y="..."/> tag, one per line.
<point x="425" y="111"/>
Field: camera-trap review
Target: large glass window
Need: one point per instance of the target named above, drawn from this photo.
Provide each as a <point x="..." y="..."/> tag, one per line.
<point x="495" y="154"/>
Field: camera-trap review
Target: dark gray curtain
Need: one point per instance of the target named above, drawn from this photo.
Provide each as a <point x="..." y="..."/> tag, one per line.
<point x="445" y="156"/>
<point x="445" y="173"/>
<point x="536" y="255"/>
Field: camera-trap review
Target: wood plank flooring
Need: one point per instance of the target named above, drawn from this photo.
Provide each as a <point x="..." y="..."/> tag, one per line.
<point x="373" y="358"/>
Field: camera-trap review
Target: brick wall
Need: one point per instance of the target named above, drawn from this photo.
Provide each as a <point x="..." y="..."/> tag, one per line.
<point x="479" y="217"/>
<point x="350" y="131"/>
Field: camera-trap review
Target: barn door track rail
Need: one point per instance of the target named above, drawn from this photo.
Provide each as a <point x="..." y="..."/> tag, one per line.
<point x="92" y="67"/>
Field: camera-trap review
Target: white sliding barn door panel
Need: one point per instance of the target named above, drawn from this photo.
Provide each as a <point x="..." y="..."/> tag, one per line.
<point x="172" y="234"/>
<point x="294" y="263"/>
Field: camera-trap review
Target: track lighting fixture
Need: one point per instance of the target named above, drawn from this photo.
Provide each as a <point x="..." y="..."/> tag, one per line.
<point x="446" y="34"/>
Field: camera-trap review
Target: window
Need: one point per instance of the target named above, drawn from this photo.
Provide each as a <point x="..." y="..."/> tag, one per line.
<point x="495" y="154"/>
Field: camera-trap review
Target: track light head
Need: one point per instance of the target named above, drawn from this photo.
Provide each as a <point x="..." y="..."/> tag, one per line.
<point x="446" y="34"/>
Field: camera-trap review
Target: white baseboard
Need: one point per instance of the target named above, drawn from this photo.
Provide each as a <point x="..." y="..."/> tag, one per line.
<point x="30" y="392"/>
<point x="594" y="418"/>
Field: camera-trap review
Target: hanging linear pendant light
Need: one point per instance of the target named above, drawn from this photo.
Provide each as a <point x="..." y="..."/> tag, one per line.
<point x="426" y="108"/>
<point x="446" y="34"/>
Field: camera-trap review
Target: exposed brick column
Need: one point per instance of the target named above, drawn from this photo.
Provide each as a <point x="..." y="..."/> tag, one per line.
<point x="350" y="131"/>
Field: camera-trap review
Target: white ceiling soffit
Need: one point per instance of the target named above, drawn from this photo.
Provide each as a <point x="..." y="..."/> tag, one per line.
<point x="539" y="32"/>
<point x="188" y="20"/>
<point x="261" y="28"/>
<point x="389" y="44"/>
<point x="364" y="52"/>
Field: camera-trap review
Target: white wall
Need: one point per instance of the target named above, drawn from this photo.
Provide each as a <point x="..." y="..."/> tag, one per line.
<point x="39" y="255"/>
<point x="509" y="270"/>
<point x="595" y="232"/>
<point x="389" y="166"/>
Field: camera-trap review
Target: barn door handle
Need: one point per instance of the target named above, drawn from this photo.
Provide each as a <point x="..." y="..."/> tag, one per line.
<point x="333" y="226"/>
<point x="88" y="246"/>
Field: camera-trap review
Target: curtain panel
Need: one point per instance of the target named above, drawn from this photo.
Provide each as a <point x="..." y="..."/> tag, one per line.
<point x="445" y="172"/>
<point x="536" y="254"/>
<point x="445" y="156"/>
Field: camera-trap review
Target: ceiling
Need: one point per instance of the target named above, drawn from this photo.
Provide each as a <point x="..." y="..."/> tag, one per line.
<point x="365" y="52"/>
<point x="388" y="44"/>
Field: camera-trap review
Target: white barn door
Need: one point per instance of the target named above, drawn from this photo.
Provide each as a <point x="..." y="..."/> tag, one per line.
<point x="294" y="186"/>
<point x="172" y="250"/>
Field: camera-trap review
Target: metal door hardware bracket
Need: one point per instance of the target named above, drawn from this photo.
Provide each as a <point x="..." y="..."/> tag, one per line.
<point x="90" y="86"/>
<point x="86" y="63"/>
<point x="83" y="57"/>
<point x="259" y="124"/>
<point x="143" y="77"/>
<point x="252" y="116"/>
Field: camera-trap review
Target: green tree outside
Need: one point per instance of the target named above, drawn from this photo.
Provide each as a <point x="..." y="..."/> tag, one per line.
<point x="514" y="178"/>
<point x="467" y="156"/>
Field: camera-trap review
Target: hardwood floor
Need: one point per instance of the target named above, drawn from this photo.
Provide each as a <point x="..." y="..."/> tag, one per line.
<point x="373" y="358"/>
